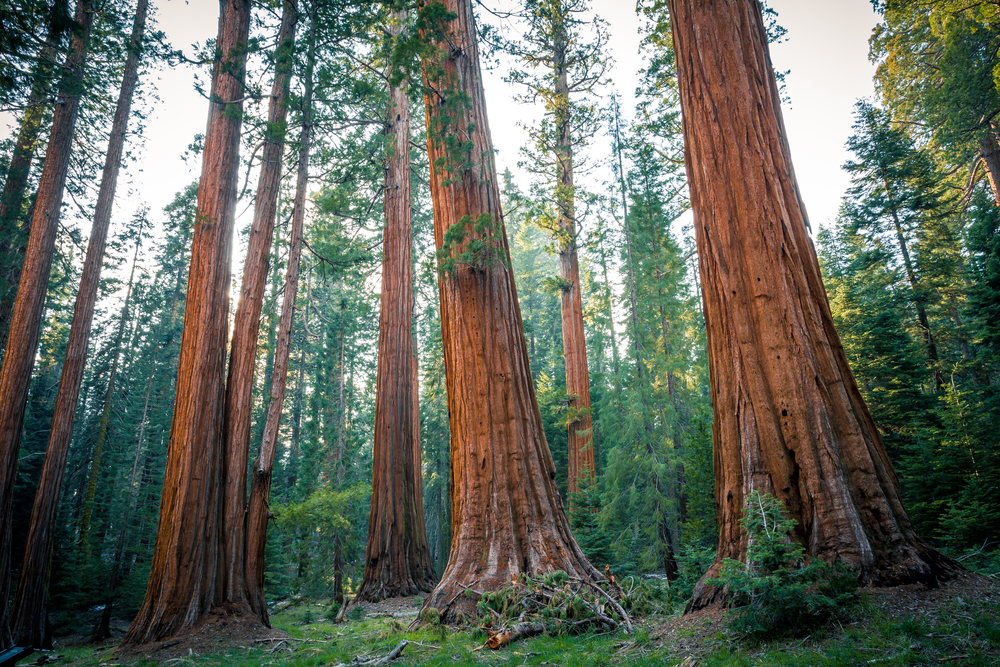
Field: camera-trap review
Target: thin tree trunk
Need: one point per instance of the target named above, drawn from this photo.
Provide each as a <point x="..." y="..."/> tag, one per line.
<point x="397" y="558"/>
<point x="990" y="151"/>
<point x="581" y="451"/>
<point x="788" y="417"/>
<point x="104" y="629"/>
<point x="183" y="580"/>
<point x="918" y="297"/>
<point x="260" y="490"/>
<point x="246" y="326"/>
<point x="19" y="356"/>
<point x="507" y="517"/>
<point x="13" y="235"/>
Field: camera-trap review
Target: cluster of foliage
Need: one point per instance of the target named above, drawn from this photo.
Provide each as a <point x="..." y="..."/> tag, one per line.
<point x="778" y="590"/>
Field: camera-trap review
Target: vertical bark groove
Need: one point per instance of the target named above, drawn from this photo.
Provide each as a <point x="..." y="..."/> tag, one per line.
<point x="183" y="581"/>
<point x="397" y="558"/>
<point x="788" y="416"/>
<point x="507" y="517"/>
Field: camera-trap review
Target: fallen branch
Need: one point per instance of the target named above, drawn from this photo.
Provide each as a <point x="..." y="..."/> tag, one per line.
<point x="358" y="661"/>
<point x="512" y="634"/>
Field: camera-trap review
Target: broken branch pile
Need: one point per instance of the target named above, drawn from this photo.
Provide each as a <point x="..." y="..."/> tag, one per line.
<point x="554" y="603"/>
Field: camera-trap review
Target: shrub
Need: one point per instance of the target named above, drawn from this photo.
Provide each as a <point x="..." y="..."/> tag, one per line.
<point x="779" y="590"/>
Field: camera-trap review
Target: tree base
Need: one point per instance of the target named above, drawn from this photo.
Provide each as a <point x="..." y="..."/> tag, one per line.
<point x="226" y="627"/>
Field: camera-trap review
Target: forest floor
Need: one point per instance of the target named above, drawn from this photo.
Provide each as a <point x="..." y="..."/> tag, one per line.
<point x="957" y="624"/>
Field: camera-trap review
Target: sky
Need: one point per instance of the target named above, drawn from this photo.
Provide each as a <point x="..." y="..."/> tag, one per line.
<point x="826" y="49"/>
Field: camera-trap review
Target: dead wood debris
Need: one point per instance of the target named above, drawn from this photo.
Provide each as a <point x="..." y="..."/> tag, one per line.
<point x="359" y="661"/>
<point x="552" y="603"/>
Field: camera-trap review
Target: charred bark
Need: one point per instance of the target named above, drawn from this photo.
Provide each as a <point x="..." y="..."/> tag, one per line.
<point x="788" y="417"/>
<point x="507" y="517"/>
<point x="183" y="581"/>
<point x="397" y="558"/>
<point x="246" y="325"/>
<point x="22" y="340"/>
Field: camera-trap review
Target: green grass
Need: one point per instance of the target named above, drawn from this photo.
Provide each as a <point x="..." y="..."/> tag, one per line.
<point x="959" y="633"/>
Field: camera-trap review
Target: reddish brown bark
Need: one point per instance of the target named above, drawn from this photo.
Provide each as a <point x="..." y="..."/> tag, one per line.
<point x="246" y="325"/>
<point x="507" y="517"/>
<point x="788" y="417"/>
<point x="183" y="584"/>
<point x="581" y="450"/>
<point x="397" y="558"/>
<point x="260" y="489"/>
<point x="30" y="609"/>
<point x="990" y="152"/>
<point x="19" y="356"/>
<point x="14" y="230"/>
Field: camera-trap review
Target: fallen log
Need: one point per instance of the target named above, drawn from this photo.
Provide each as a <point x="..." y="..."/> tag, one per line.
<point x="518" y="631"/>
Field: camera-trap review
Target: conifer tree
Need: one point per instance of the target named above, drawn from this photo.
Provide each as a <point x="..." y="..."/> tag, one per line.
<point x="782" y="390"/>
<point x="562" y="65"/>
<point x="22" y="339"/>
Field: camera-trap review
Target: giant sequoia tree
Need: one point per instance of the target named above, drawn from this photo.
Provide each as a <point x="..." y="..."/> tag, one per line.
<point x="182" y="585"/>
<point x="397" y="558"/>
<point x="507" y="517"/>
<point x="788" y="417"/>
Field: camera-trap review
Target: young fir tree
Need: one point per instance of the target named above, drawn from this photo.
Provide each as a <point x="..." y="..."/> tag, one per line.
<point x="894" y="192"/>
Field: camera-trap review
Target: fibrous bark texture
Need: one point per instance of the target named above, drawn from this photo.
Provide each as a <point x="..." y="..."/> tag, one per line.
<point x="788" y="417"/>
<point x="507" y="517"/>
<point x="22" y="339"/>
<point x="183" y="584"/>
<point x="246" y="325"/>
<point x="260" y="485"/>
<point x="397" y="558"/>
<point x="29" y="613"/>
<point x="580" y="427"/>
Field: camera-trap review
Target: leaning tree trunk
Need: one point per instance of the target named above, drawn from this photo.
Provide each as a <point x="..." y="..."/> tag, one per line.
<point x="246" y="325"/>
<point x="30" y="611"/>
<point x="22" y="339"/>
<point x="989" y="150"/>
<point x="580" y="424"/>
<point x="183" y="583"/>
<point x="788" y="417"/>
<point x="14" y="232"/>
<point x="397" y="558"/>
<point x="260" y="489"/>
<point x="507" y="517"/>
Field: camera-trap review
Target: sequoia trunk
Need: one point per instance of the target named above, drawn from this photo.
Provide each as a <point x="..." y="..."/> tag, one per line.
<point x="22" y="339"/>
<point x="788" y="417"/>
<point x="580" y="424"/>
<point x="507" y="516"/>
<point x="260" y="489"/>
<point x="246" y="325"/>
<point x="397" y="558"/>
<point x="183" y="583"/>
<point x="990" y="151"/>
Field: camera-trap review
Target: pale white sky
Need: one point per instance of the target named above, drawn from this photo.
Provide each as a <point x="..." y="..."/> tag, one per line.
<point x="826" y="49"/>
